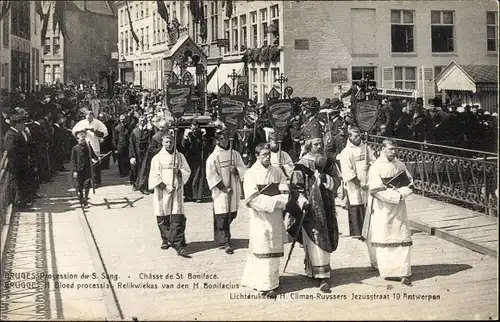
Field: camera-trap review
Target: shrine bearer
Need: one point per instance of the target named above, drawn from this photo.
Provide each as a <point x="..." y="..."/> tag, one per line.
<point x="224" y="177"/>
<point x="169" y="172"/>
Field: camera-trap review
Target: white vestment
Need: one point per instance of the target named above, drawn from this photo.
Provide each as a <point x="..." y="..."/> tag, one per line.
<point x="286" y="161"/>
<point x="266" y="227"/>
<point x="91" y="138"/>
<point x="387" y="230"/>
<point x="217" y="170"/>
<point x="353" y="164"/>
<point x="170" y="200"/>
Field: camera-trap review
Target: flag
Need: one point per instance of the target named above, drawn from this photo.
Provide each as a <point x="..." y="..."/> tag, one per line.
<point x="136" y="38"/>
<point x="196" y="10"/>
<point x="162" y="10"/>
<point x="229" y="8"/>
<point x="58" y="18"/>
<point x="4" y="10"/>
<point x="45" y="23"/>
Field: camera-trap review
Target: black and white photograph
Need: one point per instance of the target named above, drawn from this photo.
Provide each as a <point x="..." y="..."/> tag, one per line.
<point x="248" y="160"/>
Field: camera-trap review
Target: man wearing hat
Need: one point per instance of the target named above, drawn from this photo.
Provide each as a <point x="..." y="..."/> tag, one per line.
<point x="168" y="174"/>
<point x="121" y="140"/>
<point x="82" y="155"/>
<point x="225" y="170"/>
<point x="312" y="186"/>
<point x="15" y="144"/>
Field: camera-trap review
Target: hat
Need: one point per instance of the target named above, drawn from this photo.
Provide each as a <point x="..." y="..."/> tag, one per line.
<point x="312" y="130"/>
<point x="17" y="117"/>
<point x="221" y="133"/>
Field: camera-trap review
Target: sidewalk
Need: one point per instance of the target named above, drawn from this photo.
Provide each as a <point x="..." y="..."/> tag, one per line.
<point x="124" y="227"/>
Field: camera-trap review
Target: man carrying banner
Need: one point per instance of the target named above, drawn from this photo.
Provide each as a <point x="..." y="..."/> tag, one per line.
<point x="168" y="174"/>
<point x="224" y="169"/>
<point x="386" y="227"/>
<point x="355" y="160"/>
<point x="267" y="191"/>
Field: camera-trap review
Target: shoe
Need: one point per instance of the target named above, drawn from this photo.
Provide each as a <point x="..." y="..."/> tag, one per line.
<point x="198" y="200"/>
<point x="183" y="252"/>
<point x="229" y="250"/>
<point x="145" y="192"/>
<point x="406" y="281"/>
<point x="324" y="287"/>
<point x="165" y="245"/>
<point x="272" y="294"/>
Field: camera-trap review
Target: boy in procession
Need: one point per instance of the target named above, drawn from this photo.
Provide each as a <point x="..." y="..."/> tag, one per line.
<point x="224" y="172"/>
<point x="81" y="157"/>
<point x="267" y="191"/>
<point x="386" y="227"/>
<point x="169" y="172"/>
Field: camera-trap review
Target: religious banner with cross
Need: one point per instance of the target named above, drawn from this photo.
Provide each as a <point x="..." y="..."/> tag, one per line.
<point x="178" y="99"/>
<point x="232" y="111"/>
<point x="280" y="113"/>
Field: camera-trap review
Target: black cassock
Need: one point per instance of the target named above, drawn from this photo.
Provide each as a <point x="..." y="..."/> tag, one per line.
<point x="140" y="140"/>
<point x="196" y="151"/>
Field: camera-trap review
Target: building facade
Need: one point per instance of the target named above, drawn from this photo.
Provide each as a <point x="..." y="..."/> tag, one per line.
<point x="321" y="47"/>
<point x="85" y="54"/>
<point x="20" y="56"/>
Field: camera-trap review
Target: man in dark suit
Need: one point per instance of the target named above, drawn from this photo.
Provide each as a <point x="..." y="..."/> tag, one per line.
<point x="15" y="144"/>
<point x="121" y="137"/>
<point x="81" y="158"/>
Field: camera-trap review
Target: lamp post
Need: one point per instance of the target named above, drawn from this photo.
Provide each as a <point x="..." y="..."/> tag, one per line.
<point x="281" y="80"/>
<point x="234" y="77"/>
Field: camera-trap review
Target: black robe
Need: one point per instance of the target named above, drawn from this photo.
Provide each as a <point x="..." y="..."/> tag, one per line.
<point x="140" y="141"/>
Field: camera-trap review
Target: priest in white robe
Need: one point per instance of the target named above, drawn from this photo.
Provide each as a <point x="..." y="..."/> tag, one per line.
<point x="225" y="172"/>
<point x="386" y="226"/>
<point x="169" y="172"/>
<point x="355" y="160"/>
<point x="267" y="191"/>
<point x="280" y="159"/>
<point x="95" y="132"/>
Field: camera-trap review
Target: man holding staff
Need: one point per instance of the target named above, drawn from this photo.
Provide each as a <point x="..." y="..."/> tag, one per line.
<point x="224" y="169"/>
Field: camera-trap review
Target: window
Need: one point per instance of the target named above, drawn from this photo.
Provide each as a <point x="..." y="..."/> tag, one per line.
<point x="492" y="30"/>
<point x="275" y="25"/>
<point x="359" y="73"/>
<point x="47" y="75"/>
<point x="57" y="45"/>
<point x="275" y="72"/>
<point x="137" y="12"/>
<point x="6" y="33"/>
<point x="234" y="24"/>
<point x="437" y="71"/>
<point x="405" y="77"/>
<point x="57" y="73"/>
<point x="147" y="38"/>
<point x="174" y="10"/>
<point x="243" y="35"/>
<point x="158" y="27"/>
<point x="142" y="10"/>
<point x="195" y="30"/>
<point x="121" y="17"/>
<point x="147" y="8"/>
<point x="227" y="33"/>
<point x="402" y="31"/>
<point x="264" y="84"/>
<point x="253" y="81"/>
<point x="214" y="25"/>
<point x="263" y="27"/>
<point x="154" y="28"/>
<point x="142" y="39"/>
<point x="442" y="31"/>
<point x="254" y="35"/>
<point x="204" y="35"/>
<point x="46" y="46"/>
<point x="126" y="42"/>
<point x="121" y="42"/>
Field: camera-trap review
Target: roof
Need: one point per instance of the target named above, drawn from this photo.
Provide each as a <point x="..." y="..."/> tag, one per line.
<point x="99" y="7"/>
<point x="481" y="73"/>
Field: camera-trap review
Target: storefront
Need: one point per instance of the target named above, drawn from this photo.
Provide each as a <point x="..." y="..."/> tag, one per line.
<point x="126" y="70"/>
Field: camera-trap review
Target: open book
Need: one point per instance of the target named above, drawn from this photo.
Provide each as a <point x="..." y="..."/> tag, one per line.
<point x="269" y="190"/>
<point x="399" y="180"/>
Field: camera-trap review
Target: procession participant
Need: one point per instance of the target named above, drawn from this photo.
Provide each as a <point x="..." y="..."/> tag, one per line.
<point x="140" y="139"/>
<point x="58" y="143"/>
<point x="41" y="145"/>
<point x="82" y="155"/>
<point x="169" y="173"/>
<point x="312" y="187"/>
<point x="94" y="130"/>
<point x="121" y="141"/>
<point x="280" y="159"/>
<point x="355" y="160"/>
<point x="265" y="185"/>
<point x="220" y="168"/>
<point x="107" y="143"/>
<point x="195" y="147"/>
<point x="153" y="148"/>
<point x="387" y="228"/>
<point x="17" y="155"/>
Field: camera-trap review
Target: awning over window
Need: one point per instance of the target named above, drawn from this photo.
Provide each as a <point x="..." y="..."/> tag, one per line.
<point x="192" y="70"/>
<point x="472" y="78"/>
<point x="221" y="76"/>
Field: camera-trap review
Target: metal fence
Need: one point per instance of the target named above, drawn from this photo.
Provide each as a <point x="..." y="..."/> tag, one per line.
<point x="465" y="177"/>
<point x="5" y="189"/>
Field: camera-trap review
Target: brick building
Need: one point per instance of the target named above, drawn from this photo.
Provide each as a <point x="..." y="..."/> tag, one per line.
<point x="20" y="44"/>
<point x="317" y="45"/>
<point x="85" y="56"/>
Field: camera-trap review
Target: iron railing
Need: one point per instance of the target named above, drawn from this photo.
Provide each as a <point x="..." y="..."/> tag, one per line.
<point x="461" y="176"/>
<point x="5" y="189"/>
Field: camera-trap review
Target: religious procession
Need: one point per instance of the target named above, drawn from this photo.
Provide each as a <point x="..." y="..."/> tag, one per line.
<point x="286" y="161"/>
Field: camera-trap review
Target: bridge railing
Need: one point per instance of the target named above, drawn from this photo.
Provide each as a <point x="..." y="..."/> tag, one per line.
<point x="462" y="176"/>
<point x="5" y="189"/>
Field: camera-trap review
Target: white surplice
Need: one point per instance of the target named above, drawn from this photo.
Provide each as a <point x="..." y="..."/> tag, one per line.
<point x="217" y="170"/>
<point x="266" y="227"/>
<point x="91" y="138"/>
<point x="353" y="165"/>
<point x="170" y="200"/>
<point x="285" y="159"/>
<point x="387" y="230"/>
